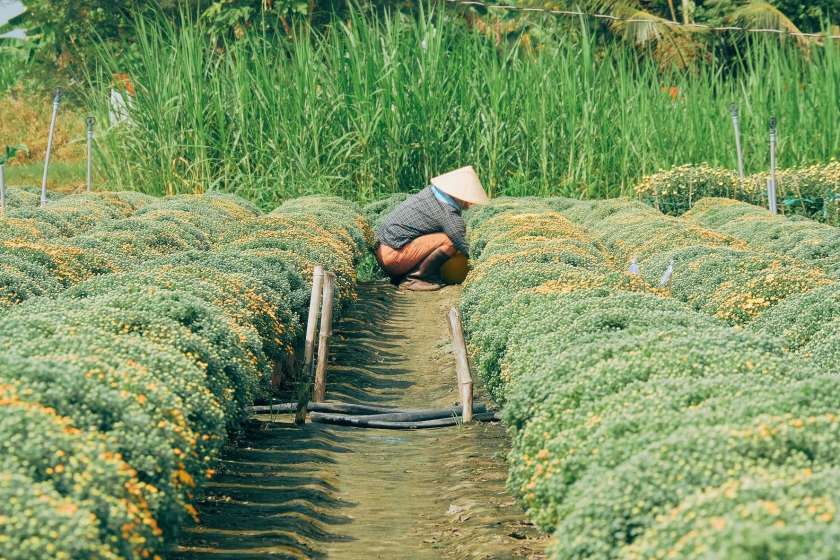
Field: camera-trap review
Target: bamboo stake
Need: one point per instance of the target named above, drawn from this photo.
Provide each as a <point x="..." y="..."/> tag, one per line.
<point x="276" y="373"/>
<point x="733" y="108"/>
<point x="324" y="338"/>
<point x="462" y="364"/>
<point x="312" y="321"/>
<point x="309" y="345"/>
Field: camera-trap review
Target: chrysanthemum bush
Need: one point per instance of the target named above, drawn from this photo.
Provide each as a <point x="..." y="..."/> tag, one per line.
<point x="804" y="240"/>
<point x="74" y="214"/>
<point x="774" y="513"/>
<point x="808" y="323"/>
<point x="715" y="272"/>
<point x="159" y="321"/>
<point x="812" y="191"/>
<point x="642" y="426"/>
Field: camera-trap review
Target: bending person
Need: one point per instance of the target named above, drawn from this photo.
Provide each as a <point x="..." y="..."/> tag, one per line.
<point x="423" y="232"/>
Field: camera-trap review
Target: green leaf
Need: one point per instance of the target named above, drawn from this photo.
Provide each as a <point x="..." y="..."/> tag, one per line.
<point x="11" y="151"/>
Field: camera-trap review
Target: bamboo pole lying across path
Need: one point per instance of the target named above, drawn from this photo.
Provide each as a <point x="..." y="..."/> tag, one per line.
<point x="324" y="338"/>
<point x="386" y="425"/>
<point x="338" y="408"/>
<point x="462" y="364"/>
<point x="309" y="345"/>
<point x="401" y="416"/>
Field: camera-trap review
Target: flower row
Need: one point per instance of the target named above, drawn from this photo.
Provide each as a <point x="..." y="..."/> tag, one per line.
<point x="643" y="428"/>
<point x="812" y="191"/>
<point x="807" y="323"/>
<point x="714" y="272"/>
<point x="119" y="392"/>
<point x="807" y="241"/>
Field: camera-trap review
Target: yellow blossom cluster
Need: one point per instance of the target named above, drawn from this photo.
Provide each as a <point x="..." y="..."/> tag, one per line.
<point x="714" y="270"/>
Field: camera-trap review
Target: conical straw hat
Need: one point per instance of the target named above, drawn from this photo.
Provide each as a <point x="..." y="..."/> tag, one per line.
<point x="462" y="184"/>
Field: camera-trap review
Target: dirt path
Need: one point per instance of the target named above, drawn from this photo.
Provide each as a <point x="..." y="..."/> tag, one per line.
<point x="345" y="493"/>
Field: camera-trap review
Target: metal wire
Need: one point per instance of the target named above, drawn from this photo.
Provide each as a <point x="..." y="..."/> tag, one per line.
<point x="645" y="21"/>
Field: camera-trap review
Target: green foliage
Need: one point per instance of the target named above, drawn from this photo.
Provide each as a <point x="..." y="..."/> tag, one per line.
<point x="120" y="390"/>
<point x="808" y="322"/>
<point x="11" y="151"/>
<point x="66" y="32"/>
<point x="715" y="272"/>
<point x="47" y="448"/>
<point x="780" y="514"/>
<point x="281" y="119"/>
<point x="643" y="428"/>
<point x="800" y="318"/>
<point x="614" y="506"/>
<point x="43" y="523"/>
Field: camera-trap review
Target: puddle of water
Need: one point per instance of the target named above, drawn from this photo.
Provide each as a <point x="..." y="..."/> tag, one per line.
<point x="385" y="439"/>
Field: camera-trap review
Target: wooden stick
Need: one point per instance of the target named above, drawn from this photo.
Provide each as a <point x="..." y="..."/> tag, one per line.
<point x="312" y="320"/>
<point x="462" y="364"/>
<point x="324" y="338"/>
<point x="276" y="373"/>
<point x="309" y="345"/>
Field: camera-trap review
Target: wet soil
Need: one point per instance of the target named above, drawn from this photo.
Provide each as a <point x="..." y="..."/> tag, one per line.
<point x="321" y="491"/>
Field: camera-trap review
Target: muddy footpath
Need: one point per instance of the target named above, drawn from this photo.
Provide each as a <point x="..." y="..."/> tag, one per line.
<point x="322" y="491"/>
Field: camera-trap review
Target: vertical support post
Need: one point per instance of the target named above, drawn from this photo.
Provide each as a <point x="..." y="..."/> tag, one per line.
<point x="312" y="320"/>
<point x="59" y="92"/>
<point x="276" y="373"/>
<point x="771" y="196"/>
<point x="771" y="185"/>
<point x="462" y="364"/>
<point x="3" y="188"/>
<point x="90" y="121"/>
<point x="656" y="195"/>
<point x="309" y="345"/>
<point x="324" y="338"/>
<point x="734" y="109"/>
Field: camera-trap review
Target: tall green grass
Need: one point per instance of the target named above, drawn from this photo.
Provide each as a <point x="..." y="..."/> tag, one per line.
<point x="367" y="109"/>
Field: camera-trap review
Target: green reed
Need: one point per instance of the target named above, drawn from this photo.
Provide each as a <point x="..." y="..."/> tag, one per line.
<point x="365" y="110"/>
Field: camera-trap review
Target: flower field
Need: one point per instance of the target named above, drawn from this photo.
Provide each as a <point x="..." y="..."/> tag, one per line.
<point x="692" y="419"/>
<point x="135" y="331"/>
<point x="812" y="191"/>
<point x="807" y="241"/>
<point x="700" y="425"/>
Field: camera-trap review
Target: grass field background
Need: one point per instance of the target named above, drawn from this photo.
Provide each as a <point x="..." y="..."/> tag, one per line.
<point x="379" y="106"/>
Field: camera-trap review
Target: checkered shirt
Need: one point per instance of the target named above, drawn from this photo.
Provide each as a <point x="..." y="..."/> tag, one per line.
<point x="423" y="214"/>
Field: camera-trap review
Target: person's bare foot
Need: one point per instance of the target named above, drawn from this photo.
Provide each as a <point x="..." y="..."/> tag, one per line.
<point x="416" y="285"/>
